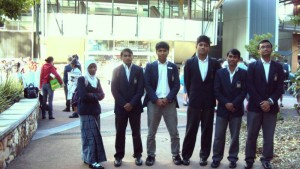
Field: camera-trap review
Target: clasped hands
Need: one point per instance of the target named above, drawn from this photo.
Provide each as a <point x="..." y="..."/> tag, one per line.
<point x="230" y="107"/>
<point x="162" y="102"/>
<point x="265" y="106"/>
<point x="128" y="107"/>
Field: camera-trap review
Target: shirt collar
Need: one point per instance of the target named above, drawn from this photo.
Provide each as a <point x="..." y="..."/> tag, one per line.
<point x="125" y="66"/>
<point x="162" y="63"/>
<point x="235" y="70"/>
<point x="205" y="60"/>
<point x="264" y="62"/>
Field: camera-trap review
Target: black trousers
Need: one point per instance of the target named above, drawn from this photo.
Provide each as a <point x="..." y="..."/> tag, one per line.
<point x="121" y="121"/>
<point x="68" y="104"/>
<point x="194" y="117"/>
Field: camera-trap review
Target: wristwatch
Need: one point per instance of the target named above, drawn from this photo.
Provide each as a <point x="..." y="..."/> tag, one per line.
<point x="270" y="101"/>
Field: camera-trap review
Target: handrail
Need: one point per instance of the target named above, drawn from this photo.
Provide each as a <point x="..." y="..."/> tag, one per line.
<point x="60" y="29"/>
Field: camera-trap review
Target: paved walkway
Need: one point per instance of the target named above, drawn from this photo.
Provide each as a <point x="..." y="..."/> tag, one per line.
<point x="57" y="144"/>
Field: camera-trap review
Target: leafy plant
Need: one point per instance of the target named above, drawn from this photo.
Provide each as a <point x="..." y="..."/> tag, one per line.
<point x="295" y="83"/>
<point x="12" y="9"/>
<point x="10" y="91"/>
<point x="253" y="43"/>
<point x="295" y="19"/>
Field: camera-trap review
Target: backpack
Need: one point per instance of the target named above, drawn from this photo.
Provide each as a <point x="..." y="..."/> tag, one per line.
<point x="75" y="97"/>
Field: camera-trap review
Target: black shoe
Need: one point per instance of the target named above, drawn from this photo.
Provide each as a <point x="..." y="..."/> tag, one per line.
<point x="43" y="117"/>
<point x="150" y="160"/>
<point x="203" y="162"/>
<point x="96" y="166"/>
<point x="66" y="110"/>
<point x="185" y="161"/>
<point x="232" y="164"/>
<point x="138" y="161"/>
<point x="51" y="118"/>
<point x="267" y="165"/>
<point x="248" y="165"/>
<point x="74" y="115"/>
<point x="177" y="160"/>
<point x="118" y="162"/>
<point x="281" y="105"/>
<point x="215" y="164"/>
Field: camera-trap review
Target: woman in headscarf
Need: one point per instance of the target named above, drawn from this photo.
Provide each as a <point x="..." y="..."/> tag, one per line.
<point x="90" y="93"/>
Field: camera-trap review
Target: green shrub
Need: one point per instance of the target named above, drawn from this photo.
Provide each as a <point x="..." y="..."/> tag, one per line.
<point x="11" y="91"/>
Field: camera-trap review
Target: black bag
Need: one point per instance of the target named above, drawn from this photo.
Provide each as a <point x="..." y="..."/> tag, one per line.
<point x="30" y="91"/>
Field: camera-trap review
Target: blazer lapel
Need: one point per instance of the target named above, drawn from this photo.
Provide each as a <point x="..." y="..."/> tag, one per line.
<point x="122" y="73"/>
<point x="131" y="75"/>
<point x="196" y="64"/>
<point x="170" y="72"/>
<point x="209" y="69"/>
<point x="271" y="73"/>
<point x="235" y="79"/>
<point x="227" y="77"/>
<point x="155" y="71"/>
<point x="261" y="69"/>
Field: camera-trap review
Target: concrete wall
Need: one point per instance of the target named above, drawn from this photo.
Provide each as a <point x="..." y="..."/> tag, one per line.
<point x="235" y="26"/>
<point x="263" y="18"/>
<point x="61" y="47"/>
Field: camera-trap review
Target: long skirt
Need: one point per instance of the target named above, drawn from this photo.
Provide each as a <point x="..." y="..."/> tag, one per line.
<point x="92" y="144"/>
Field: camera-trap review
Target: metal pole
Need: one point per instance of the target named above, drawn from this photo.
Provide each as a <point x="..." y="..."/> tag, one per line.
<point x="87" y="18"/>
<point x="112" y="17"/>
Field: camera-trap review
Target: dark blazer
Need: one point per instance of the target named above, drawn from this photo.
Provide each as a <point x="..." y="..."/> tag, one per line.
<point x="200" y="92"/>
<point x="260" y="90"/>
<point x="128" y="92"/>
<point x="151" y="80"/>
<point x="89" y="97"/>
<point x="67" y="69"/>
<point x="227" y="92"/>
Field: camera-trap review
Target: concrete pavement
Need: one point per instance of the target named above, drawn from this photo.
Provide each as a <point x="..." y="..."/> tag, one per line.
<point x="57" y="144"/>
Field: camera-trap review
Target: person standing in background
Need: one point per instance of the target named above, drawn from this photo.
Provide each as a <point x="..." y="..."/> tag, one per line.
<point x="67" y="69"/>
<point x="72" y="85"/>
<point x="127" y="87"/>
<point x="48" y="93"/>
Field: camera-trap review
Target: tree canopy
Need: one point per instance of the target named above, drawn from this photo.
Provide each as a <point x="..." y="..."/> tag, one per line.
<point x="12" y="9"/>
<point x="253" y="43"/>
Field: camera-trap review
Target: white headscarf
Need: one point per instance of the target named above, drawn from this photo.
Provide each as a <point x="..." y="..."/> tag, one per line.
<point x="91" y="78"/>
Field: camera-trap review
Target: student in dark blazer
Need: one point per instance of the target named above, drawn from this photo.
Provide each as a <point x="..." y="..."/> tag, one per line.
<point x="67" y="69"/>
<point x="230" y="91"/>
<point x="162" y="85"/>
<point x="265" y="86"/>
<point x="199" y="76"/>
<point x="127" y="87"/>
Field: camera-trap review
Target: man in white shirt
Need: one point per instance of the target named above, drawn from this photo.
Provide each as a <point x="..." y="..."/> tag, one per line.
<point x="199" y="75"/>
<point x="265" y="86"/>
<point x="162" y="85"/>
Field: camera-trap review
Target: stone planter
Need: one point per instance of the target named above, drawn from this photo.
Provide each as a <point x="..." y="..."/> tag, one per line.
<point x="17" y="126"/>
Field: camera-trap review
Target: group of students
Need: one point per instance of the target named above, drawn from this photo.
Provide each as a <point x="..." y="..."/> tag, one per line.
<point x="205" y="83"/>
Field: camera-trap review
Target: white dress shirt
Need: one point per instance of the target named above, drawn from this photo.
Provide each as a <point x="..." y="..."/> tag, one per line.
<point x="203" y="67"/>
<point x="233" y="73"/>
<point x="127" y="70"/>
<point x="266" y="68"/>
<point x="163" y="88"/>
